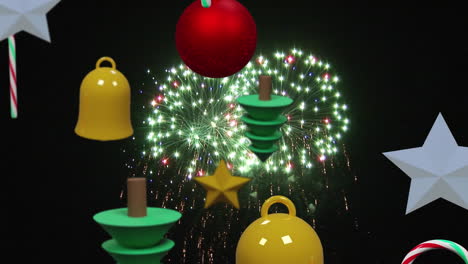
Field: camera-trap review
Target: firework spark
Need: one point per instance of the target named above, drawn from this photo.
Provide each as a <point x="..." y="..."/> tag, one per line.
<point x="192" y="122"/>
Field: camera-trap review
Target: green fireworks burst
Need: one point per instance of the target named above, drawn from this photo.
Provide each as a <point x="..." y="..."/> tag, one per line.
<point x="195" y="121"/>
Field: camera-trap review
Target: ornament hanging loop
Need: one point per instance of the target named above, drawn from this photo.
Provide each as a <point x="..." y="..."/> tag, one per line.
<point x="103" y="59"/>
<point x="206" y="3"/>
<point x="278" y="199"/>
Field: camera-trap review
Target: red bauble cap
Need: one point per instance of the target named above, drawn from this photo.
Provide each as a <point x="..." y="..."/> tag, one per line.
<point x="217" y="41"/>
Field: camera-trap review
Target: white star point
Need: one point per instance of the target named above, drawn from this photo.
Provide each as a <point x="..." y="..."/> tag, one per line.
<point x="27" y="15"/>
<point x="438" y="169"/>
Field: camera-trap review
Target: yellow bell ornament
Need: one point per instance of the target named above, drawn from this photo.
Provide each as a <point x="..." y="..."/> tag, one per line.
<point x="104" y="112"/>
<point x="279" y="238"/>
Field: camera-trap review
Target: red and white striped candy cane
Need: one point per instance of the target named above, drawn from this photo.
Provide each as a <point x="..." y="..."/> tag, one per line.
<point x="436" y="244"/>
<point x="13" y="93"/>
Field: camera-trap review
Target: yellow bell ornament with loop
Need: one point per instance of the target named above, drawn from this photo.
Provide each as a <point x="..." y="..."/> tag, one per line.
<point x="279" y="238"/>
<point x="104" y="112"/>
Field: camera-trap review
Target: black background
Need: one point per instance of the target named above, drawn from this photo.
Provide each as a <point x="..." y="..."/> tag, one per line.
<point x="401" y="67"/>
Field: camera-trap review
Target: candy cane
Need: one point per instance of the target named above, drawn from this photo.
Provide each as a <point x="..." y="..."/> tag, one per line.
<point x="13" y="93"/>
<point x="206" y="3"/>
<point x="436" y="244"/>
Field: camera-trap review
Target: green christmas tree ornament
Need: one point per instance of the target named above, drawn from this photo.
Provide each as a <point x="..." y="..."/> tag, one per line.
<point x="137" y="231"/>
<point x="264" y="118"/>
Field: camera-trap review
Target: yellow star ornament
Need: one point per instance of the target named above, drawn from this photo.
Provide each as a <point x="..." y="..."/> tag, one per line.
<point x="222" y="186"/>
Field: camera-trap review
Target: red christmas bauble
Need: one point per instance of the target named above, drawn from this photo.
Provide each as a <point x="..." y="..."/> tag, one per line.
<point x="217" y="41"/>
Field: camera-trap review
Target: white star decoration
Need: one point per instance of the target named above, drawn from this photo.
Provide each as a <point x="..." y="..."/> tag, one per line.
<point x="438" y="169"/>
<point x="27" y="15"/>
